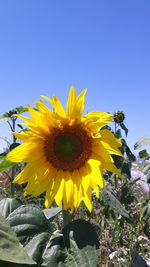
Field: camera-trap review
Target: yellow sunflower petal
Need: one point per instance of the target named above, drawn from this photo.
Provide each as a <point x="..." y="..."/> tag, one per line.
<point x="108" y="137"/>
<point x="25" y="136"/>
<point x="71" y="103"/>
<point x="56" y="190"/>
<point x="100" y="150"/>
<point x="24" y="175"/>
<point x="96" y="173"/>
<point x="77" y="188"/>
<point x="85" y="174"/>
<point x="24" y="118"/>
<point x="112" y="168"/>
<point x="47" y="116"/>
<point x="59" y="195"/>
<point x="58" y="108"/>
<point x="87" y="200"/>
<point x="68" y="187"/>
<point x="79" y="107"/>
<point x="26" y="152"/>
<point x="94" y="121"/>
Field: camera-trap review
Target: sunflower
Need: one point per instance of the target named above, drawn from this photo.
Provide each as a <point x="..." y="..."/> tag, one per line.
<point x="66" y="152"/>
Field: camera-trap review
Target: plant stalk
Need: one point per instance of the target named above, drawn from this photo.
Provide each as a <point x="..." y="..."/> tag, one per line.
<point x="67" y="217"/>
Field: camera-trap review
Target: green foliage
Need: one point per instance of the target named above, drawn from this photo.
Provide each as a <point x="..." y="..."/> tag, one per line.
<point x="2" y="155"/>
<point x="114" y="203"/>
<point x="5" y="164"/>
<point x="87" y="256"/>
<point x="122" y="125"/>
<point x="51" y="213"/>
<point x="76" y="243"/>
<point x="8" y="205"/>
<point x="28" y="220"/>
<point x="143" y="154"/>
<point x="137" y="260"/>
<point x="143" y="141"/>
<point x="10" y="249"/>
<point x="17" y="110"/>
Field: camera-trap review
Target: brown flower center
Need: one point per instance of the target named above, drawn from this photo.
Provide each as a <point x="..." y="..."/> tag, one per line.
<point x="68" y="148"/>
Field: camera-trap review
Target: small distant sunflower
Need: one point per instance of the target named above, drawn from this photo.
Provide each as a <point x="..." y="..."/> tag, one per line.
<point x="119" y="116"/>
<point x="66" y="152"/>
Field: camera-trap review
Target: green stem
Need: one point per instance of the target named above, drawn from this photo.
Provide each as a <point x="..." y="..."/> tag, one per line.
<point x="12" y="186"/>
<point x="116" y="181"/>
<point x="67" y="217"/>
<point x="115" y="128"/>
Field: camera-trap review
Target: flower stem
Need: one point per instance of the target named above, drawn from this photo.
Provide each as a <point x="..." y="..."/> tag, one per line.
<point x="12" y="186"/>
<point x="67" y="217"/>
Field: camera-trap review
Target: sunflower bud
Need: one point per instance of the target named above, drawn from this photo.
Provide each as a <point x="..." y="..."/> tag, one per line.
<point x="119" y="116"/>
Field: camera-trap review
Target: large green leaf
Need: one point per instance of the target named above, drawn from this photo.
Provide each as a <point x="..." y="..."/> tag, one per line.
<point x="52" y="212"/>
<point x="76" y="246"/>
<point x="36" y="246"/>
<point x="143" y="141"/>
<point x="5" y="164"/>
<point x="8" y="205"/>
<point x="82" y="243"/>
<point x="87" y="256"/>
<point x="10" y="249"/>
<point x="83" y="233"/>
<point x="114" y="203"/>
<point x="138" y="261"/>
<point x="28" y="220"/>
<point x="55" y="253"/>
<point x="126" y="149"/>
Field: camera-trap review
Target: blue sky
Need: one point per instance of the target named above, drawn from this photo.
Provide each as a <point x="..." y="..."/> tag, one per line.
<point x="47" y="46"/>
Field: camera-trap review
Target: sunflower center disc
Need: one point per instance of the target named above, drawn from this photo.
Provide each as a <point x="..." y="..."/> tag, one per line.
<point x="68" y="147"/>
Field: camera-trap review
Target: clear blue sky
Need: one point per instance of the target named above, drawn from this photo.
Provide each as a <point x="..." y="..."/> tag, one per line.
<point x="103" y="45"/>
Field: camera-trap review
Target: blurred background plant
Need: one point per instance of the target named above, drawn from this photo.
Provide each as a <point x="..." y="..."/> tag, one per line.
<point x="120" y="216"/>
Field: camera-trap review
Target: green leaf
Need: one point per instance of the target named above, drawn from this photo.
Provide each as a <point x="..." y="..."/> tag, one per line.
<point x="82" y="243"/>
<point x="83" y="232"/>
<point x="20" y="126"/>
<point x="126" y="169"/>
<point x="76" y="247"/>
<point x="52" y="212"/>
<point x="124" y="128"/>
<point x="143" y="141"/>
<point x="21" y="109"/>
<point x="114" y="203"/>
<point x="138" y="261"/>
<point x="28" y="220"/>
<point x="126" y="149"/>
<point x="5" y="164"/>
<point x="118" y="134"/>
<point x="146" y="170"/>
<point x="2" y="155"/>
<point x="36" y="246"/>
<point x="143" y="154"/>
<point x="87" y="256"/>
<point x="8" y="205"/>
<point x="10" y="249"/>
<point x="54" y="254"/>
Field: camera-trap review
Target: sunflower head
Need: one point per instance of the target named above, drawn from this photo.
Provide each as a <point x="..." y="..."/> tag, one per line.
<point x="66" y="152"/>
<point x="119" y="116"/>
